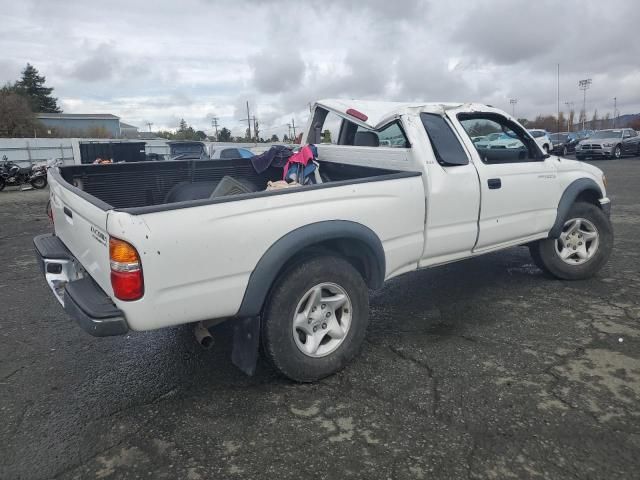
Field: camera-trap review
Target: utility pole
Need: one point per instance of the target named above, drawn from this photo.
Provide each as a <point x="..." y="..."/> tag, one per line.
<point x="214" y="124"/>
<point x="149" y="125"/>
<point x="584" y="86"/>
<point x="558" y="121"/>
<point x="615" y="110"/>
<point x="570" y="107"/>
<point x="289" y="132"/>
<point x="256" y="132"/>
<point x="248" y="120"/>
<point x="513" y="102"/>
<point x="293" y="127"/>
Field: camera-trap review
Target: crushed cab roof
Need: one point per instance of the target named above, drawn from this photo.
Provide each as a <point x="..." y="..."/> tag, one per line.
<point x="379" y="113"/>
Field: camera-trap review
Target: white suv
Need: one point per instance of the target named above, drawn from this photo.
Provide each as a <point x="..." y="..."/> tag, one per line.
<point x="542" y="139"/>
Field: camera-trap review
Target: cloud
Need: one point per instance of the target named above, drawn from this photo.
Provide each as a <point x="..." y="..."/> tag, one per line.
<point x="275" y="72"/>
<point x="190" y="58"/>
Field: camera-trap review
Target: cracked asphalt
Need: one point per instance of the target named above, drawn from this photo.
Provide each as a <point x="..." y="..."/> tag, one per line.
<point x="483" y="369"/>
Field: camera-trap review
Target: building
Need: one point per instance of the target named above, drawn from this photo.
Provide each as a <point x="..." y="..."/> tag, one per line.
<point x="128" y="131"/>
<point x="96" y="125"/>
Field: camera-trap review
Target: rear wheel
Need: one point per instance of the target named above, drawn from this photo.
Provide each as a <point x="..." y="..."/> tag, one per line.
<point x="583" y="247"/>
<point x="39" y="182"/>
<point x="316" y="318"/>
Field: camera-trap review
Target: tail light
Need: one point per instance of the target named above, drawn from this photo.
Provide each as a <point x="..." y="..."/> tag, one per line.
<point x="126" y="270"/>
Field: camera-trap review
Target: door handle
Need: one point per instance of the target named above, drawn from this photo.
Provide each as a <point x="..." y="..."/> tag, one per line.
<point x="68" y="212"/>
<point x="494" y="183"/>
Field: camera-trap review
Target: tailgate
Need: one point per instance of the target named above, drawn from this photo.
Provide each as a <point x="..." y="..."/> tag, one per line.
<point x="81" y="226"/>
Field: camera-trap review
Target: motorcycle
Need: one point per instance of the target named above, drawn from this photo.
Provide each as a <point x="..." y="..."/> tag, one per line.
<point x="11" y="174"/>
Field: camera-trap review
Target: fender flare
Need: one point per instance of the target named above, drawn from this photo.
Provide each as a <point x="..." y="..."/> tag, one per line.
<point x="277" y="255"/>
<point x="568" y="198"/>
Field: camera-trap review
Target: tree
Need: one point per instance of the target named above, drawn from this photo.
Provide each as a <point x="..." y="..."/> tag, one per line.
<point x="285" y="138"/>
<point x="274" y="138"/>
<point x="16" y="117"/>
<point x="595" y="124"/>
<point x="182" y="126"/>
<point x="606" y="120"/>
<point x="31" y="85"/>
<point x="572" y="116"/>
<point x="200" y="135"/>
<point x="224" y="135"/>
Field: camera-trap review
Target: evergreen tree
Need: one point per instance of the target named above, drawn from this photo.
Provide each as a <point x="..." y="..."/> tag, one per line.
<point x="31" y="85"/>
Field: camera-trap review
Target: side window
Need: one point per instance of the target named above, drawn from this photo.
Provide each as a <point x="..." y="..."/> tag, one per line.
<point x="444" y="142"/>
<point x="330" y="131"/>
<point x="627" y="134"/>
<point x="390" y="136"/>
<point x="499" y="140"/>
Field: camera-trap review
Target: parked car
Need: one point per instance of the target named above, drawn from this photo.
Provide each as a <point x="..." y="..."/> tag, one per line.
<point x="611" y="143"/>
<point x="187" y="150"/>
<point x="542" y="138"/>
<point x="231" y="152"/>
<point x="292" y="267"/>
<point x="498" y="140"/>
<point x="564" y="143"/>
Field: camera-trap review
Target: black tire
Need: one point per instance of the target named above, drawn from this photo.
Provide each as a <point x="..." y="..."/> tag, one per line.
<point x="545" y="256"/>
<point x="546" y="148"/>
<point x="39" y="182"/>
<point x="579" y="157"/>
<point x="617" y="153"/>
<point x="278" y="342"/>
<point x="2" y="184"/>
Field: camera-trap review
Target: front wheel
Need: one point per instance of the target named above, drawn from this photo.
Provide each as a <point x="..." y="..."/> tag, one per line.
<point x="316" y="318"/>
<point x="582" y="249"/>
<point x="617" y="152"/>
<point x="39" y="182"/>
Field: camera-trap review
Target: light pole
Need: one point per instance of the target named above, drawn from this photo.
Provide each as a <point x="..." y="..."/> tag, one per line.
<point x="513" y="102"/>
<point x="615" y="110"/>
<point x="584" y="86"/>
<point x="570" y="107"/>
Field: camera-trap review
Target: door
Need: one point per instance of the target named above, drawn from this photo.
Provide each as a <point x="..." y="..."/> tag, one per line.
<point x="630" y="142"/>
<point x="453" y="190"/>
<point x="519" y="190"/>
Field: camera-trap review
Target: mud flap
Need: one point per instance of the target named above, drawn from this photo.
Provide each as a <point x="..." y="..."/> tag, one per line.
<point x="246" y="335"/>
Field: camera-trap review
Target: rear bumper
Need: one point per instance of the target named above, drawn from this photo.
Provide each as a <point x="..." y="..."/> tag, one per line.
<point x="80" y="296"/>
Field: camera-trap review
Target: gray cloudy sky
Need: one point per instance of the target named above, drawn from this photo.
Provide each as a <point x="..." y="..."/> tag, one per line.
<point x="163" y="60"/>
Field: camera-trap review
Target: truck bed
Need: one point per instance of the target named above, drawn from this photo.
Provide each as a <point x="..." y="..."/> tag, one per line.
<point x="145" y="187"/>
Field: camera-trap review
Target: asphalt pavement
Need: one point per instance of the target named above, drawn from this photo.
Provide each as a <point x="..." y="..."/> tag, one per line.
<point x="482" y="369"/>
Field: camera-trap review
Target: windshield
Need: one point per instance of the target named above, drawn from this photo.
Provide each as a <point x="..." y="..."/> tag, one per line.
<point x="558" y="137"/>
<point x="607" y="134"/>
<point x="184" y="148"/>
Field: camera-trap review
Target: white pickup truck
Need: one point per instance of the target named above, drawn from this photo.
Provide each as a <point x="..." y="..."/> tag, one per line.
<point x="141" y="246"/>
